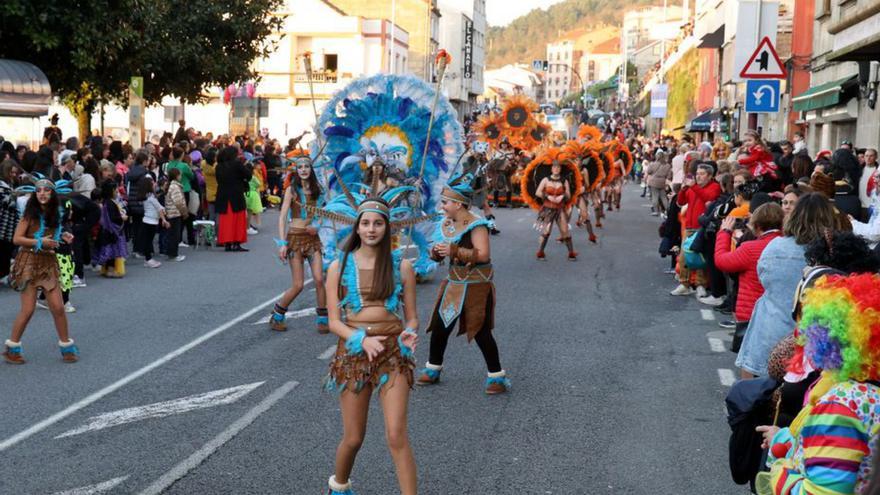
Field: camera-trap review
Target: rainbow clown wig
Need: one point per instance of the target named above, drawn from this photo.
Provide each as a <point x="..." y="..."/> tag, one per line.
<point x="839" y="330"/>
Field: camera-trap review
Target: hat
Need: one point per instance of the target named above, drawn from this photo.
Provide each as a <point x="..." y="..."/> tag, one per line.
<point x="823" y="153"/>
<point x="823" y="183"/>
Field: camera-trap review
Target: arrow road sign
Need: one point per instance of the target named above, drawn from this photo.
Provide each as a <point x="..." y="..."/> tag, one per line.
<point x="764" y="63"/>
<point x="762" y="96"/>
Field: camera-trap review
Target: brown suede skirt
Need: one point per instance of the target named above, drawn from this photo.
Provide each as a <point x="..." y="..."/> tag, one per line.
<point x="37" y="268"/>
<point x="353" y="373"/>
<point x="300" y="241"/>
<point x="477" y="307"/>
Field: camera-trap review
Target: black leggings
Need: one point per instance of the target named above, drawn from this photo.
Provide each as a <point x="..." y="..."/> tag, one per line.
<point x="485" y="341"/>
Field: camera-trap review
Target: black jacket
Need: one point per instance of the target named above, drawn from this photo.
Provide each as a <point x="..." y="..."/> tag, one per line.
<point x="232" y="184"/>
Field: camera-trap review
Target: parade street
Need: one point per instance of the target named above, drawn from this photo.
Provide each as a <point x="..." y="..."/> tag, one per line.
<point x="182" y="388"/>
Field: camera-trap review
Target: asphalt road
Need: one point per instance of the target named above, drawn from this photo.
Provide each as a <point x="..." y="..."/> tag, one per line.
<point x="617" y="386"/>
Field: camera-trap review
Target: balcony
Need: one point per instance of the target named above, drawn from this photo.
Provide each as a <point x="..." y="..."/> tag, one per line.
<point x="317" y="77"/>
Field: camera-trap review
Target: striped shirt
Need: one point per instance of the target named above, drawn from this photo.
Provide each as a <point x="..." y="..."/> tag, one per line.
<point x="834" y="451"/>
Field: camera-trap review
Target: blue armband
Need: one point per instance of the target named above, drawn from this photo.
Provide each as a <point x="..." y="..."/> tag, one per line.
<point x="355" y="344"/>
<point x="280" y="242"/>
<point x="405" y="350"/>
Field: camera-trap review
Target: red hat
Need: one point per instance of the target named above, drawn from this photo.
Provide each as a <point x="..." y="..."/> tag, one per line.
<point x="823" y="153"/>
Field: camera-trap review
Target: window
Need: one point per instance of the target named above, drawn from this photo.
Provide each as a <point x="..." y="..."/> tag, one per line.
<point x="247" y="107"/>
<point x="330" y="62"/>
<point x="823" y="8"/>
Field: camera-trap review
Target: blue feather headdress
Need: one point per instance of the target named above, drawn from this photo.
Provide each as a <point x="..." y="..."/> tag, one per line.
<point x="40" y="181"/>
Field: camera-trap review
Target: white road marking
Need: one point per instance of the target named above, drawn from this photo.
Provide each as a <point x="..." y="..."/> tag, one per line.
<point x="722" y="335"/>
<point x="190" y="463"/>
<point x="707" y="314"/>
<point x="520" y="219"/>
<point x="716" y="345"/>
<point x="291" y="315"/>
<point x="326" y="354"/>
<point x="96" y="396"/>
<point x="726" y="376"/>
<point x="163" y="409"/>
<point x="92" y="489"/>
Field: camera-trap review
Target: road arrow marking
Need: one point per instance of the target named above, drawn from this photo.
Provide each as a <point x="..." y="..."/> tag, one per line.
<point x="193" y="461"/>
<point x="109" y="389"/>
<point x="326" y="354"/>
<point x="163" y="409"/>
<point x="726" y="376"/>
<point x="291" y="315"/>
<point x="92" y="489"/>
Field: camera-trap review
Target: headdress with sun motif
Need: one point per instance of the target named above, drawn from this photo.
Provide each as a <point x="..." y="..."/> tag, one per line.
<point x="384" y="120"/>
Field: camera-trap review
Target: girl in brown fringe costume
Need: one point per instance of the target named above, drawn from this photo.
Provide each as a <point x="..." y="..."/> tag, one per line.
<point x="365" y="288"/>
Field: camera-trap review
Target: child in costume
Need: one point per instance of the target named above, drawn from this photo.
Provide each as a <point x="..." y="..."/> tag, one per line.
<point x="831" y="445"/>
<point x="252" y="198"/>
<point x="365" y="289"/>
<point x="112" y="246"/>
<point x="298" y="240"/>
<point x="38" y="234"/>
<point x="468" y="293"/>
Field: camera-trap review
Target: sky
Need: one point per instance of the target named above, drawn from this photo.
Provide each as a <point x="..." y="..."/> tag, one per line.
<point x="501" y="12"/>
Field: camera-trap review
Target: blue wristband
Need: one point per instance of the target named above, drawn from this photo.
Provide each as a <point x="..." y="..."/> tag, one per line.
<point x="280" y="242"/>
<point x="405" y="350"/>
<point x="355" y="344"/>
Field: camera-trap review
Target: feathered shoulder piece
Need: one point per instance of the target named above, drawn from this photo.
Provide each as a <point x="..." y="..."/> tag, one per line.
<point x="589" y="133"/>
<point x="588" y="161"/>
<point x="541" y="167"/>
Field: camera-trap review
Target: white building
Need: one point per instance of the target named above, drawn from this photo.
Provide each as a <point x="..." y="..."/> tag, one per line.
<point x="562" y="58"/>
<point x="643" y="27"/>
<point x="601" y="62"/>
<point x="463" y="35"/>
<point x="513" y="79"/>
<point x="342" y="48"/>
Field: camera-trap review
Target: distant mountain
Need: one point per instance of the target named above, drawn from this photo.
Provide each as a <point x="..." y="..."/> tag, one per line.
<point x="525" y="39"/>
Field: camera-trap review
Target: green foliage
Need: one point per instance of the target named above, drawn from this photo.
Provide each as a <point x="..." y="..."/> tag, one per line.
<point x="89" y="49"/>
<point x="682" y="80"/>
<point x="525" y="39"/>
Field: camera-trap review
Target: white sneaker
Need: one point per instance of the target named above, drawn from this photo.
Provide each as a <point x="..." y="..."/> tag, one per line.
<point x="701" y="292"/>
<point x="252" y="231"/>
<point x="78" y="282"/>
<point x="68" y="308"/>
<point x="711" y="300"/>
<point x="152" y="264"/>
<point x="681" y="290"/>
<point x="179" y="258"/>
<point x="137" y="256"/>
<point x="4" y="281"/>
<point x="42" y="305"/>
<point x="183" y="245"/>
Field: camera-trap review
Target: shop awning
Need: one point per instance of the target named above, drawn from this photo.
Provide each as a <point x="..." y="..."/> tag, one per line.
<point x="703" y="122"/>
<point x="24" y="90"/>
<point x="823" y="95"/>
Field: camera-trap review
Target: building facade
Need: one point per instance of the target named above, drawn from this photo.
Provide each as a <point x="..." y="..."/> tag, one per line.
<point x="841" y="102"/>
<point x="420" y="19"/>
<point x="463" y="35"/>
<point x="343" y="47"/>
<point x="601" y="62"/>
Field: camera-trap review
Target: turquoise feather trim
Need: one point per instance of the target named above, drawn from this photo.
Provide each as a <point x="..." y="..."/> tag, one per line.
<point x="440" y="236"/>
<point x="355" y="344"/>
<point x="351" y="280"/>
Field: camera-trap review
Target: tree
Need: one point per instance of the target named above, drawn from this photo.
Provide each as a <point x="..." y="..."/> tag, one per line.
<point x="89" y="49"/>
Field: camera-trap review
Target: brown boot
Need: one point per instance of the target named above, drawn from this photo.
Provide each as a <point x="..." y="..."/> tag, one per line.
<point x="429" y="375"/>
<point x="276" y="319"/>
<point x="69" y="351"/>
<point x="12" y="353"/>
<point x="497" y="383"/>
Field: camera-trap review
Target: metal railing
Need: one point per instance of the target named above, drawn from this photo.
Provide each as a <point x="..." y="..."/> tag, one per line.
<point x="317" y="77"/>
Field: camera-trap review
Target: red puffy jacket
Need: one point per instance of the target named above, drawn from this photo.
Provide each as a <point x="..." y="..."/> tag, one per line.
<point x="696" y="197"/>
<point x="744" y="260"/>
<point x="759" y="162"/>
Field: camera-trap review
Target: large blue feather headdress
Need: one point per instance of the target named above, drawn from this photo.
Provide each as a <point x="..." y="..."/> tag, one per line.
<point x="384" y="120"/>
<point x="40" y="181"/>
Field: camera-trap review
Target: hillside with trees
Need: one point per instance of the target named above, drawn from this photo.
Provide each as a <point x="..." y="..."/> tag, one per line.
<point x="525" y="38"/>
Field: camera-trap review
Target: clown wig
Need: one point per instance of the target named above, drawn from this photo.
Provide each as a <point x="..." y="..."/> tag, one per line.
<point x="839" y="330"/>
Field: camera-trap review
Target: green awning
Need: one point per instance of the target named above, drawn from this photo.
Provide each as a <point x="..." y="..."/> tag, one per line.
<point x="821" y="96"/>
